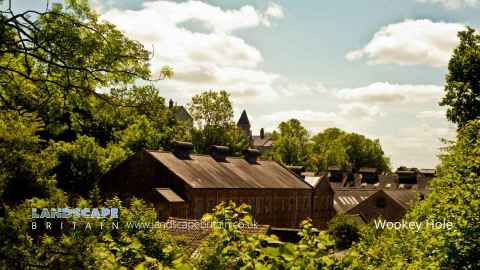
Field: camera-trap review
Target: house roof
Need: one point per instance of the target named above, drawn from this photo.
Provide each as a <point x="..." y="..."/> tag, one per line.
<point x="202" y="171"/>
<point x="405" y="197"/>
<point x="243" y="119"/>
<point x="334" y="168"/>
<point x="194" y="231"/>
<point x="313" y="180"/>
<point x="347" y="198"/>
<point x="169" y="195"/>
<point x="428" y="171"/>
<point x="259" y="141"/>
<point x="181" y="114"/>
<point x="367" y="170"/>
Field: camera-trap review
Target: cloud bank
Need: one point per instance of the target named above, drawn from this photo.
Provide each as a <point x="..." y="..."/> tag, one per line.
<point x="411" y="42"/>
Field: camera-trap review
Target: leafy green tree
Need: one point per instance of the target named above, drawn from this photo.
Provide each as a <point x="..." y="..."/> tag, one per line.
<point x="24" y="165"/>
<point x="290" y="144"/>
<point x="454" y="198"/>
<point x="82" y="163"/>
<point x="229" y="248"/>
<point x="328" y="150"/>
<point x="98" y="248"/>
<point x="212" y="113"/>
<point x="345" y="230"/>
<point x="89" y="53"/>
<point x="336" y="147"/>
<point x="462" y="89"/>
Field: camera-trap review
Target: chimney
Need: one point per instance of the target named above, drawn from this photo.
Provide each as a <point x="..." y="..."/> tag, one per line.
<point x="298" y="170"/>
<point x="262" y="133"/>
<point x="219" y="152"/>
<point x="182" y="149"/>
<point x="251" y="155"/>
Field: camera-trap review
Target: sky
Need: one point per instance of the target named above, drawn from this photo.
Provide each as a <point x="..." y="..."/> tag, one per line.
<point x="375" y="67"/>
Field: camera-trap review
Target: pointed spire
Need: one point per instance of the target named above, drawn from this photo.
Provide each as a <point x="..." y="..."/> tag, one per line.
<point x="243" y="119"/>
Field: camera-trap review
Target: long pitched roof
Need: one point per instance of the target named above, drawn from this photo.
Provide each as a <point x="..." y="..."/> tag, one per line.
<point x="203" y="171"/>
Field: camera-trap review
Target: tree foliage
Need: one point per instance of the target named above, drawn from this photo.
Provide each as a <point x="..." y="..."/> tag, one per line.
<point x="455" y="198"/>
<point x="212" y="113"/>
<point x="290" y="144"/>
<point x="462" y="89"/>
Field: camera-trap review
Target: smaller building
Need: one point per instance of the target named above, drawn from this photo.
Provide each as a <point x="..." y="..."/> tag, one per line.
<point x="370" y="204"/>
<point x="181" y="114"/>
<point x="262" y="142"/>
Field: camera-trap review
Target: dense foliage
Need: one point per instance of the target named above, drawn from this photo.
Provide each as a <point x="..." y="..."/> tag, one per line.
<point x="212" y="113"/>
<point x="455" y="198"/>
<point x="462" y="87"/>
<point x="71" y="108"/>
<point x="332" y="147"/>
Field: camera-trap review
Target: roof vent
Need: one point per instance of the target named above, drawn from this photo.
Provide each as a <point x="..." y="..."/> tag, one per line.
<point x="298" y="170"/>
<point x="182" y="149"/>
<point x="251" y="155"/>
<point x="219" y="152"/>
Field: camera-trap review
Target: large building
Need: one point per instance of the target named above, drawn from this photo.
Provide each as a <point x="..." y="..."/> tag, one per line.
<point x="185" y="185"/>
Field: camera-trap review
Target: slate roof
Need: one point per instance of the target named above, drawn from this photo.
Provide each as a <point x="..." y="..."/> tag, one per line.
<point x="243" y="119"/>
<point x="313" y="180"/>
<point x="367" y="170"/>
<point x="169" y="195"/>
<point x="428" y="171"/>
<point x="202" y="171"/>
<point x="405" y="197"/>
<point x="265" y="141"/>
<point x="347" y="198"/>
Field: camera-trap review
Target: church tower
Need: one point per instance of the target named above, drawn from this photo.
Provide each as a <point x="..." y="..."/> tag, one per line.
<point x="244" y="124"/>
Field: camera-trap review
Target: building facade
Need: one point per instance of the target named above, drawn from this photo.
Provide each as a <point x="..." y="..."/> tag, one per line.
<point x="186" y="185"/>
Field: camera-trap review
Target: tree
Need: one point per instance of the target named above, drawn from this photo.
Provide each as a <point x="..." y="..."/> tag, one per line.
<point x="328" y="150"/>
<point x="454" y="198"/>
<point x="345" y="230"/>
<point x="24" y="164"/>
<point x="290" y="144"/>
<point x="462" y="89"/>
<point x="88" y="54"/>
<point x="212" y="113"/>
<point x="336" y="147"/>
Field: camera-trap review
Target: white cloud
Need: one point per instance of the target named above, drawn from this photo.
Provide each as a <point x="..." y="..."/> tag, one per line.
<point x="360" y="111"/>
<point x="353" y="117"/>
<point x="210" y="58"/>
<point x="411" y="42"/>
<point x="417" y="145"/>
<point x="431" y="115"/>
<point x="384" y="92"/>
<point x="453" y="4"/>
<point x="273" y="11"/>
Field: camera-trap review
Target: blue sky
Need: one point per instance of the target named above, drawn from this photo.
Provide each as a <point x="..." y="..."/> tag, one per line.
<point x="376" y="67"/>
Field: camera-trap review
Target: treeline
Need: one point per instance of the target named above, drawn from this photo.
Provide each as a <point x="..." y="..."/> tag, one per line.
<point x="72" y="108"/>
